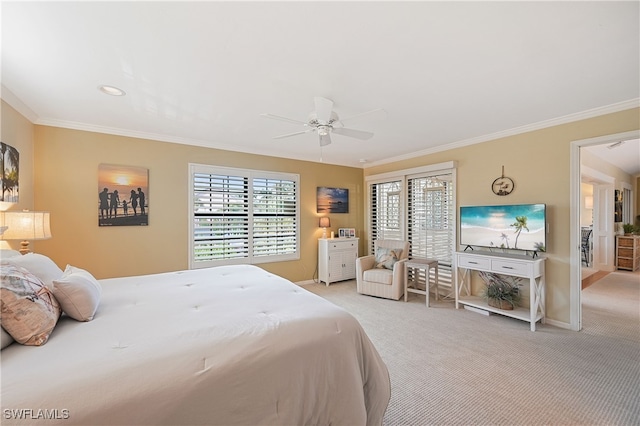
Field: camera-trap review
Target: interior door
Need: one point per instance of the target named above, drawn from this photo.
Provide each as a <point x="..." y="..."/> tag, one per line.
<point x="603" y="227"/>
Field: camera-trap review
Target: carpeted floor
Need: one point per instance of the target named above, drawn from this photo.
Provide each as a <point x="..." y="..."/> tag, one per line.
<point x="456" y="367"/>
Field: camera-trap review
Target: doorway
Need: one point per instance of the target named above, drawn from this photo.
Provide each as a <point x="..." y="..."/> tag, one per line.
<point x="604" y="237"/>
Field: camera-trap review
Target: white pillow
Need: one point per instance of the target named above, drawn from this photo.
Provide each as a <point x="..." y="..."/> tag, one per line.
<point x="78" y="293"/>
<point x="39" y="265"/>
<point x="8" y="253"/>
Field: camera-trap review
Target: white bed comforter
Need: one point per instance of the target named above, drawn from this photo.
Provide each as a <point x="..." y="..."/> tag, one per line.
<point x="227" y="345"/>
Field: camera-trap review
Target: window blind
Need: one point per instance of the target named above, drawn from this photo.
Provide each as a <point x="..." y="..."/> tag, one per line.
<point x="385" y="210"/>
<point x="243" y="216"/>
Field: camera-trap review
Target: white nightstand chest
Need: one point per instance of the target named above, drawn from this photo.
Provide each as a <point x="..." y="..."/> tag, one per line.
<point x="337" y="259"/>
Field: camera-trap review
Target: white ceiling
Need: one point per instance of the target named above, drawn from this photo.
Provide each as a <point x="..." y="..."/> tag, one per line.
<point x="446" y="73"/>
<point x="625" y="155"/>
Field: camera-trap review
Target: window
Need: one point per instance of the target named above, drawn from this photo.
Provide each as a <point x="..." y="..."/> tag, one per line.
<point x="627" y="203"/>
<point x="431" y="221"/>
<point x="385" y="207"/>
<point x="242" y="216"/>
<point x="427" y="221"/>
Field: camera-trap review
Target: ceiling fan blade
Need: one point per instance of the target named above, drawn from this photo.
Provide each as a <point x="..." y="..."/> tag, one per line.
<point x="325" y="140"/>
<point x="277" y="117"/>
<point x="352" y="133"/>
<point x="363" y="113"/>
<point x="323" y="109"/>
<point x="293" y="134"/>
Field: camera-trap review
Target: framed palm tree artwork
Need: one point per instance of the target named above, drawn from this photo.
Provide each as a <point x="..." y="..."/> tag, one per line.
<point x="123" y="195"/>
<point x="10" y="163"/>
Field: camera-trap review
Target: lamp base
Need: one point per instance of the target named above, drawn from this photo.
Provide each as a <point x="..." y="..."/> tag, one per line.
<point x="24" y="247"/>
<point x="324" y="232"/>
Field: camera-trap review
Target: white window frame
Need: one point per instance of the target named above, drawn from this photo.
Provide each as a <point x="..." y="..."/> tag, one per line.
<point x="403" y="176"/>
<point x="250" y="174"/>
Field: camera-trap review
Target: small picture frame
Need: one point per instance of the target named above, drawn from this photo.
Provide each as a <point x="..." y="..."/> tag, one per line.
<point x="346" y="232"/>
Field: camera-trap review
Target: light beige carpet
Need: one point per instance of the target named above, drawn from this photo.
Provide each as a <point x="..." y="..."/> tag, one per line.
<point x="456" y="367"/>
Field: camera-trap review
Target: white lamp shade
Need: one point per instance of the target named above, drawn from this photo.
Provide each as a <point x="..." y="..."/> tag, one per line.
<point x="588" y="202"/>
<point x="25" y="225"/>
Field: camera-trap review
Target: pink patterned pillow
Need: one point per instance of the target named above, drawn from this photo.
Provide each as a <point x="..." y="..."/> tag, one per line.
<point x="28" y="310"/>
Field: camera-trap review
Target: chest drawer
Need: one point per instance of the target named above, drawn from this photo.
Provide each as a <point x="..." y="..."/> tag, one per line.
<point x="342" y="245"/>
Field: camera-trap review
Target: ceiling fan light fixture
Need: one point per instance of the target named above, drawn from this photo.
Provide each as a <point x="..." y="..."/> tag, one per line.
<point x="323" y="130"/>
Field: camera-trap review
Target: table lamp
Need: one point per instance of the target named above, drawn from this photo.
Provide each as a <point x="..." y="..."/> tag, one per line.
<point x="24" y="226"/>
<point x="325" y="222"/>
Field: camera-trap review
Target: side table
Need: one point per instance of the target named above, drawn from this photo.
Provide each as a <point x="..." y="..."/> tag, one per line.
<point x="417" y="265"/>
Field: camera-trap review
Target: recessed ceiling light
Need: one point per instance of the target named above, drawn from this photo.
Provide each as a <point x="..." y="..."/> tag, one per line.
<point x="111" y="90"/>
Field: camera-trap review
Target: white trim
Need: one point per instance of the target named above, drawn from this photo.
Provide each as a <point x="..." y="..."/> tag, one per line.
<point x="15" y="102"/>
<point x="594" y="112"/>
<point x="556" y="323"/>
<point x="588" y="172"/>
<point x="251" y="174"/>
<point x="398" y="174"/>
<point x="575" y="284"/>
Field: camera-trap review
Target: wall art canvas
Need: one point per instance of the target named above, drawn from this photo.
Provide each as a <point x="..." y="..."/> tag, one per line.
<point x="123" y="195"/>
<point x="332" y="200"/>
<point x="10" y="162"/>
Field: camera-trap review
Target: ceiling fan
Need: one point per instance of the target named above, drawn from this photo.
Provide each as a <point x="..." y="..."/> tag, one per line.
<point x="324" y="121"/>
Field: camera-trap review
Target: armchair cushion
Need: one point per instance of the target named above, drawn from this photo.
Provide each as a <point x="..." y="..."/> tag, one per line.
<point x="387" y="257"/>
<point x="382" y="276"/>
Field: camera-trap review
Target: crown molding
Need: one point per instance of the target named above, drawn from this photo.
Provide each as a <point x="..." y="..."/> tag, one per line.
<point x="15" y="102"/>
<point x="594" y="112"/>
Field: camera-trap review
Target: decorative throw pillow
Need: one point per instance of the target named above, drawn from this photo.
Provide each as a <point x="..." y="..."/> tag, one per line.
<point x="29" y="311"/>
<point x="78" y="293"/>
<point x="387" y="257"/>
<point x="39" y="265"/>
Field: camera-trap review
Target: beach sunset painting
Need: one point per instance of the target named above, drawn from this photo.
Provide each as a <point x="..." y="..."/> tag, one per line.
<point x="332" y="200"/>
<point x="123" y="195"/>
<point x="519" y="227"/>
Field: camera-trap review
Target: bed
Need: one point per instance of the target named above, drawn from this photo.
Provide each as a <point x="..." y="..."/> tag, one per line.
<point x="226" y="345"/>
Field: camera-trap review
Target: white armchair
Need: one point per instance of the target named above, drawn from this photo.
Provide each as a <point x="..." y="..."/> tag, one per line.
<point x="386" y="280"/>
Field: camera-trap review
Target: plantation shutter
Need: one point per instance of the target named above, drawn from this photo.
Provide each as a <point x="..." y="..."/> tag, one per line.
<point x="385" y="212"/>
<point x="431" y="221"/>
<point x="243" y="216"/>
<point x="221" y="217"/>
<point x="275" y="222"/>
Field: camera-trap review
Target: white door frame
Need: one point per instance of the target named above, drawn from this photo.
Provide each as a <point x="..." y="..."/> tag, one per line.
<point x="603" y="235"/>
<point x="575" y="284"/>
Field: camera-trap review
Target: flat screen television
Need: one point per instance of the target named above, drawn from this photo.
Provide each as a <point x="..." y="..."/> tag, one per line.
<point x="514" y="227"/>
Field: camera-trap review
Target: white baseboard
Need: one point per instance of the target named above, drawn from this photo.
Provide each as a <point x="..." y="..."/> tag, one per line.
<point x="558" y="324"/>
<point x="303" y="283"/>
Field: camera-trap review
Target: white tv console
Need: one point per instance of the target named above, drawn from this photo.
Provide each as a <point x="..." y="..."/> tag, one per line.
<point x="512" y="265"/>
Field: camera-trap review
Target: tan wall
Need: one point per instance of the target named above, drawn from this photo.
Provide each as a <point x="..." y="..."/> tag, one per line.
<point x="17" y="131"/>
<point x="66" y="184"/>
<point x="538" y="162"/>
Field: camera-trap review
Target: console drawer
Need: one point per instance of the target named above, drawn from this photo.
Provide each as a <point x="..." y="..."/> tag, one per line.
<point x="473" y="262"/>
<point x="510" y="268"/>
